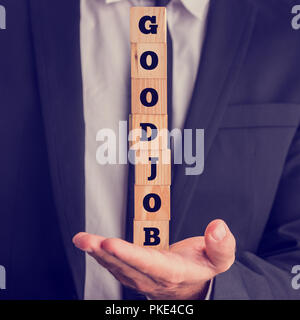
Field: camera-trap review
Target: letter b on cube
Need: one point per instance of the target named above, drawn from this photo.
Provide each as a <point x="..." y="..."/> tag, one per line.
<point x="151" y="234"/>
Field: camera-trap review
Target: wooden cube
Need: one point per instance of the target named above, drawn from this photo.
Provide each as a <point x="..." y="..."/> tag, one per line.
<point x="151" y="234"/>
<point x="153" y="167"/>
<point x="151" y="203"/>
<point x="148" y="24"/>
<point x="148" y="132"/>
<point x="153" y="92"/>
<point x="149" y="60"/>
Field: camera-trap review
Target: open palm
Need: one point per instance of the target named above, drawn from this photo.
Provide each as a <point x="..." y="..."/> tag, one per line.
<point x="182" y="272"/>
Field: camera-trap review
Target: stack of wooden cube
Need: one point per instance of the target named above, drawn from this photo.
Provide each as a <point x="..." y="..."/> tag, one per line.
<point x="149" y="119"/>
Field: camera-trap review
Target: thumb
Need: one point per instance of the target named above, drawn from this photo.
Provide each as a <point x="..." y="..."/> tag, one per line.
<point x="219" y="245"/>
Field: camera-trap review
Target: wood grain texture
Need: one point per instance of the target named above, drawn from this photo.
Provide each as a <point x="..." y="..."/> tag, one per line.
<point x="137" y="87"/>
<point x="161" y="139"/>
<point x="160" y="71"/>
<point x="136" y="13"/>
<point x="148" y="37"/>
<point x="143" y="170"/>
<point x="149" y="194"/>
<point x="139" y="233"/>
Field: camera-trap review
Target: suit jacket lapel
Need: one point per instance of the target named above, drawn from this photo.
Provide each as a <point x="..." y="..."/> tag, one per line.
<point x="56" y="38"/>
<point x="229" y="28"/>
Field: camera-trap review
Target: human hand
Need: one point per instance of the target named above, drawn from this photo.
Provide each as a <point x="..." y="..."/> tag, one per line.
<point x="182" y="272"/>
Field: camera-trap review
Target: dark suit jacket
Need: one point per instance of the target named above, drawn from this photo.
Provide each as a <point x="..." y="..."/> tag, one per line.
<point x="246" y="97"/>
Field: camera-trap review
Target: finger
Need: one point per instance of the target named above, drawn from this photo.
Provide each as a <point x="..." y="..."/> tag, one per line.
<point x="121" y="271"/>
<point x="91" y="244"/>
<point x="87" y="242"/>
<point x="219" y="245"/>
<point x="154" y="263"/>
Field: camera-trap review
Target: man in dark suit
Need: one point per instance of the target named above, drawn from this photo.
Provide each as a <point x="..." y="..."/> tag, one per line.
<point x="247" y="99"/>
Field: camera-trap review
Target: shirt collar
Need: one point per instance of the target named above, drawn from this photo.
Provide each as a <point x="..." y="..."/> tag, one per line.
<point x="195" y="7"/>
